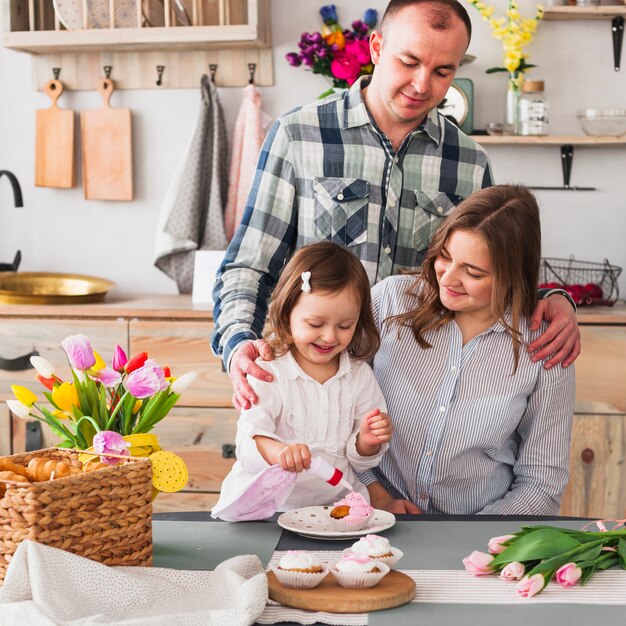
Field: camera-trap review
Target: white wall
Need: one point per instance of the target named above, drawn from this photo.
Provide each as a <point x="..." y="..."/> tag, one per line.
<point x="58" y="230"/>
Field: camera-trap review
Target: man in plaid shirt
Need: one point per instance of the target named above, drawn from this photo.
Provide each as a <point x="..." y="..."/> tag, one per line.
<point x="375" y="169"/>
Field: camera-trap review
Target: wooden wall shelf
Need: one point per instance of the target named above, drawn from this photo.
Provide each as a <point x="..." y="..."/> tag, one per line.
<point x="548" y="140"/>
<point x="605" y="12"/>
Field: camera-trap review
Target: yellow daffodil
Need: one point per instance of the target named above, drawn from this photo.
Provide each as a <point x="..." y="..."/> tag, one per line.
<point x="65" y="397"/>
<point x="25" y="396"/>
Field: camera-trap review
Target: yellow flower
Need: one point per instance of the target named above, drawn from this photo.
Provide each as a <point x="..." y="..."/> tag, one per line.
<point x="336" y="38"/>
<point x="99" y="364"/>
<point x="25" y="396"/>
<point x="61" y="415"/>
<point x="65" y="397"/>
<point x="137" y="406"/>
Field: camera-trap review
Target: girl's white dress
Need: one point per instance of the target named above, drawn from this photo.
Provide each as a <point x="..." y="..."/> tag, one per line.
<point x="295" y="408"/>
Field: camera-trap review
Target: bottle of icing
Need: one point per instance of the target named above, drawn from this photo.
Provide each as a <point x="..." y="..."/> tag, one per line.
<point x="332" y="475"/>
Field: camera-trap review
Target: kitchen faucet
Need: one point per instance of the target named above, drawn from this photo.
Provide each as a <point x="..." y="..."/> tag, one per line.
<point x="17" y="198"/>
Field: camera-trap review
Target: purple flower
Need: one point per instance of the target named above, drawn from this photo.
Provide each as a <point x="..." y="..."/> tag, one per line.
<point x="316" y="37"/>
<point x="329" y="14"/>
<point x="108" y="377"/>
<point x="147" y="380"/>
<point x="110" y="442"/>
<point x="119" y="358"/>
<point x="371" y="17"/>
<point x="293" y="59"/>
<point x="79" y="352"/>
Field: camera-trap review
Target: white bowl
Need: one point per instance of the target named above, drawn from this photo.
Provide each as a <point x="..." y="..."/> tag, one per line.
<point x="611" y="122"/>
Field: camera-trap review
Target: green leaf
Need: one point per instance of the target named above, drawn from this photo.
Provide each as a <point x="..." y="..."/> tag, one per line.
<point x="584" y="552"/>
<point x="66" y="444"/>
<point x="621" y="551"/>
<point x="542" y="543"/>
<point x="87" y="427"/>
<point x="157" y="416"/>
<point x="493" y="70"/>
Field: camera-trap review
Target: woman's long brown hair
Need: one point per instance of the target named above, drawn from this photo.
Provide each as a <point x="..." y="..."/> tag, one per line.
<point x="507" y="219"/>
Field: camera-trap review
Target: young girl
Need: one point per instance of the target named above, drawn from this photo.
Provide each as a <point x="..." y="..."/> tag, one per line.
<point x="324" y="399"/>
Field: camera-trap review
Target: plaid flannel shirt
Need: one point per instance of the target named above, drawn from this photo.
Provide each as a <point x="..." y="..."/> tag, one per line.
<point x="327" y="172"/>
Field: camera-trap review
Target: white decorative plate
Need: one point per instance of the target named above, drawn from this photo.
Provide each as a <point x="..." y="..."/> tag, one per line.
<point x="313" y="522"/>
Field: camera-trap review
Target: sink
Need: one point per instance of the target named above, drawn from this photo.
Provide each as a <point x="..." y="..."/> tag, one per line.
<point x="52" y="288"/>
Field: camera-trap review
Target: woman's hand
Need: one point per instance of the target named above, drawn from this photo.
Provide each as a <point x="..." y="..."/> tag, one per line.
<point x="562" y="337"/>
<point x="380" y="498"/>
<point x="375" y="430"/>
<point x="242" y="365"/>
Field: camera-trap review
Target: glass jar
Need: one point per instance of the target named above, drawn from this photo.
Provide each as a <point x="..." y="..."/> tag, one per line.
<point x="533" y="109"/>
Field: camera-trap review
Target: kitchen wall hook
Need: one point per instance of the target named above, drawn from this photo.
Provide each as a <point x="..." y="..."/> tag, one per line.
<point x="107" y="70"/>
<point x="56" y="72"/>
<point x="252" y="69"/>
<point x="617" y="28"/>
<point x="160" y="70"/>
<point x="212" y="70"/>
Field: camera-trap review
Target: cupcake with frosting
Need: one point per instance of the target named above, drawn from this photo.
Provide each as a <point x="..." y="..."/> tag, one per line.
<point x="356" y="570"/>
<point x="300" y="570"/>
<point x="351" y="513"/>
<point x="377" y="548"/>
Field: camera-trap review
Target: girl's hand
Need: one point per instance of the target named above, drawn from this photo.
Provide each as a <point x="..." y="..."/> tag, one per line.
<point x="375" y="430"/>
<point x="295" y="457"/>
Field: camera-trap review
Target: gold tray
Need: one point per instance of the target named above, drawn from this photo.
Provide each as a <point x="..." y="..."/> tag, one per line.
<point x="52" y="288"/>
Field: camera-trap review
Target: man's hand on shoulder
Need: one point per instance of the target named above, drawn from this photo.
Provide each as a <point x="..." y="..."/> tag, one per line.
<point x="562" y="337"/>
<point x="242" y="365"/>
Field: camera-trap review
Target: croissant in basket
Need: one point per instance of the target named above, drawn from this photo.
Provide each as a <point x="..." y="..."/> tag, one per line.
<point x="6" y="465"/>
<point x="42" y="468"/>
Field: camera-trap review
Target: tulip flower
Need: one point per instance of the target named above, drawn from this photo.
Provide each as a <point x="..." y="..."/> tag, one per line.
<point x="477" y="563"/>
<point x="146" y="381"/>
<point x="182" y="383"/>
<point x="25" y="396"/>
<point x="65" y="397"/>
<point x="99" y="364"/>
<point x="79" y="352"/>
<point x="136" y="362"/>
<point x="119" y="358"/>
<point x="17" y="408"/>
<point x="44" y="368"/>
<point x="48" y="383"/>
<point x="110" y="442"/>
<point x="568" y="575"/>
<point x="531" y="586"/>
<point x="512" y="571"/>
<point x="496" y="544"/>
<point x="61" y="415"/>
<point x="108" y="377"/>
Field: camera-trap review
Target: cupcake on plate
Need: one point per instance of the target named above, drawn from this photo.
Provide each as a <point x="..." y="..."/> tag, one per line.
<point x="300" y="570"/>
<point x="377" y="548"/>
<point x="351" y="513"/>
<point x="356" y="570"/>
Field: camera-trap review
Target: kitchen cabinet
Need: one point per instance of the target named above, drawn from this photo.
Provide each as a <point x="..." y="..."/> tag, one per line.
<point x="202" y="427"/>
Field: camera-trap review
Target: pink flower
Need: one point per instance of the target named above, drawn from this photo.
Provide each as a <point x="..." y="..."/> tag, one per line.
<point x="568" y="575"/>
<point x="530" y="586"/>
<point x="79" y="352"/>
<point x="110" y="442"/>
<point x="495" y="544"/>
<point x="360" y="49"/>
<point x="119" y="358"/>
<point x="512" y="571"/>
<point x="477" y="563"/>
<point x="147" y="380"/>
<point x="345" y="67"/>
<point x="108" y="377"/>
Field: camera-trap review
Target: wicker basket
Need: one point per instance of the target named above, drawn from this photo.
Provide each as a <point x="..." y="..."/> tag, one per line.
<point x="568" y="272"/>
<point x="104" y="515"/>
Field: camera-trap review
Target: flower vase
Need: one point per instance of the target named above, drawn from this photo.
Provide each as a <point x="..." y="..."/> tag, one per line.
<point x="512" y="106"/>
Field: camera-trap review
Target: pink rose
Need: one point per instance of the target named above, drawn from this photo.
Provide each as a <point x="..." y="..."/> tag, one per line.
<point x="530" y="586"/>
<point x="512" y="571"/>
<point x="477" y="563"/>
<point x="79" y="352"/>
<point x="345" y="67"/>
<point x="495" y="544"/>
<point x="110" y="442"/>
<point x="360" y="49"/>
<point x="568" y="575"/>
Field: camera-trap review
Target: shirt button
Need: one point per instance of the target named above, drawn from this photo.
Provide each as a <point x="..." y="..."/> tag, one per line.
<point x="453" y="368"/>
<point x="391" y="204"/>
<point x="429" y="452"/>
<point x="387" y="249"/>
<point x="424" y="496"/>
<point x="439" y="209"/>
<point x="396" y="160"/>
<point x="442" y="409"/>
<point x="340" y="197"/>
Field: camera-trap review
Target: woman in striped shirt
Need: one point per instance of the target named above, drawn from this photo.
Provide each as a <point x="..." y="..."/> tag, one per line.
<point x="478" y="426"/>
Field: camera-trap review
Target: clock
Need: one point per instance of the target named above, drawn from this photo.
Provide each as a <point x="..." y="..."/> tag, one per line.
<point x="459" y="104"/>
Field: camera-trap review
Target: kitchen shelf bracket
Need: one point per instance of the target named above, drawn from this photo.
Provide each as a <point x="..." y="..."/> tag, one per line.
<point x="567" y="158"/>
<point x="617" y="29"/>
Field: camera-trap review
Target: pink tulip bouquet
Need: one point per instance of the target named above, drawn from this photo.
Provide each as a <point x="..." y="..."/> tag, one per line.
<point x="338" y="54"/>
<point x="127" y="397"/>
<point x="537" y="554"/>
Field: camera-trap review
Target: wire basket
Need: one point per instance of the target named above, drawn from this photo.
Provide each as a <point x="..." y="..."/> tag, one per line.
<point x="586" y="281"/>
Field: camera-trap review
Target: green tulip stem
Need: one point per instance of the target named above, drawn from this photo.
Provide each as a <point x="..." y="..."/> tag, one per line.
<point x="116" y="411"/>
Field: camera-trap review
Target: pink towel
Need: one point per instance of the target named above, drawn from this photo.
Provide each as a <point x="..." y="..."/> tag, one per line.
<point x="247" y="140"/>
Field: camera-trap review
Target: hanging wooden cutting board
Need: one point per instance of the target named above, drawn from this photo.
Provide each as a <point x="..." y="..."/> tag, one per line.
<point x="54" y="142"/>
<point x="107" y="150"/>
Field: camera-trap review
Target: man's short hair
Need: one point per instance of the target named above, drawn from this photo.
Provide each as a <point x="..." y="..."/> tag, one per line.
<point x="439" y="15"/>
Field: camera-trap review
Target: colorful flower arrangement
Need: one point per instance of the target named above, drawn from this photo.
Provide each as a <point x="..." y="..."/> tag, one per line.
<point x="129" y="397"/>
<point x="537" y="554"/>
<point x="339" y="54"/>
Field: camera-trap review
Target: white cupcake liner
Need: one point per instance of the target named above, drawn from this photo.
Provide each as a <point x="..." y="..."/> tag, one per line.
<point x="300" y="580"/>
<point x="350" y="525"/>
<point x="361" y="580"/>
<point x="396" y="555"/>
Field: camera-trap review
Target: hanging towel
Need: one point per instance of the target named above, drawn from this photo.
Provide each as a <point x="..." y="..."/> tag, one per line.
<point x="247" y="141"/>
<point x="192" y="213"/>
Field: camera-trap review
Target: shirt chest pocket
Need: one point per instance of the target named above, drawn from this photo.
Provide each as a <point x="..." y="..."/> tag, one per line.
<point x="431" y="207"/>
<point x="341" y="206"/>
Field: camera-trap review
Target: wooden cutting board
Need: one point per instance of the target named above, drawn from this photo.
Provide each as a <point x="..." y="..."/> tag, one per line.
<point x="54" y="142"/>
<point x="394" y="589"/>
<point x="107" y="149"/>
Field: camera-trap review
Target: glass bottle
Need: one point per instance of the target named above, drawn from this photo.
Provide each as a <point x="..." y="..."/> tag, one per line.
<point x="533" y="109"/>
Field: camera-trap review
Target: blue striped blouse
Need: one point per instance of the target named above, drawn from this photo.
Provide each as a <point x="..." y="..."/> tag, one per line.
<point x="469" y="435"/>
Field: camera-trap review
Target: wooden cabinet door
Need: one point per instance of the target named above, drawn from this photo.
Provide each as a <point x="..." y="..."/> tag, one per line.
<point x="184" y="346"/>
<point x="597" y="485"/>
